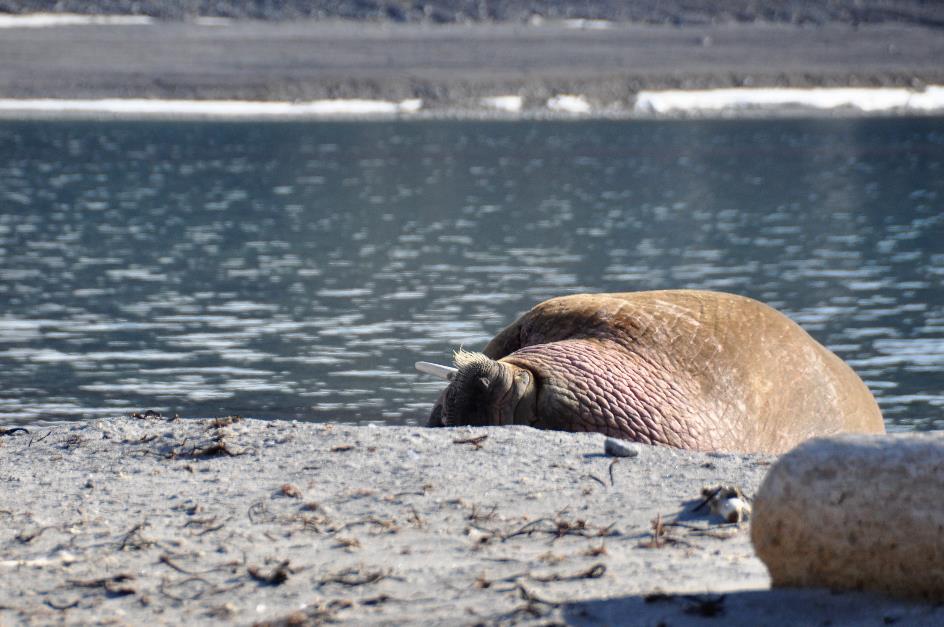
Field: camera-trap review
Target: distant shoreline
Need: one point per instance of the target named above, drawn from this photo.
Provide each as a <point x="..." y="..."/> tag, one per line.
<point x="500" y="71"/>
<point x="725" y="103"/>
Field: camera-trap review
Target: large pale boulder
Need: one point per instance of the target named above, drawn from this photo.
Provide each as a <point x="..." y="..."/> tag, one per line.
<point x="856" y="512"/>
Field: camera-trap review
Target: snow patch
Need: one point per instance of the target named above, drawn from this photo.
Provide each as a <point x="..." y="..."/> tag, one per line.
<point x="212" y="21"/>
<point x="585" y="24"/>
<point x="214" y="108"/>
<point x="409" y="106"/>
<point x="568" y="103"/>
<point x="931" y="99"/>
<point x="863" y="99"/>
<point x="511" y="104"/>
<point x="45" y="20"/>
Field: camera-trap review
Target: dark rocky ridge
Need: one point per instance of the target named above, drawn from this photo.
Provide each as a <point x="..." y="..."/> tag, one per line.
<point x="679" y="12"/>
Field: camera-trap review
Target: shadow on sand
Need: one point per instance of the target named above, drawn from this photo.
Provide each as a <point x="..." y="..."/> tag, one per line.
<point x="754" y="607"/>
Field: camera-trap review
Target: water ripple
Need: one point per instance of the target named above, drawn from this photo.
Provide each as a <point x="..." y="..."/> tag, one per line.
<point x="298" y="270"/>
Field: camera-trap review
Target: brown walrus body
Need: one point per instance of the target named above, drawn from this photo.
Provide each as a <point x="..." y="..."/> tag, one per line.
<point x="691" y="369"/>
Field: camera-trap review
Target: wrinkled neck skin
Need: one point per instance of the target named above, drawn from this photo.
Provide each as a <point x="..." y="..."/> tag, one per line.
<point x="487" y="392"/>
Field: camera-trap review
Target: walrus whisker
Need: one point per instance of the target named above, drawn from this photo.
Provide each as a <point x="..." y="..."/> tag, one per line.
<point x="445" y="373"/>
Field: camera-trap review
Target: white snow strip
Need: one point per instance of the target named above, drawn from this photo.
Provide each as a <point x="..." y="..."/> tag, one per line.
<point x="584" y="24"/>
<point x="932" y="98"/>
<point x="863" y="99"/>
<point x="511" y="104"/>
<point x="214" y="108"/>
<point x="567" y="103"/>
<point x="212" y="21"/>
<point x="44" y="20"/>
<point x="411" y="105"/>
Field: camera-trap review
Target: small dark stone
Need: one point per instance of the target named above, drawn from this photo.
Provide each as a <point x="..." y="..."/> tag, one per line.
<point x="619" y="448"/>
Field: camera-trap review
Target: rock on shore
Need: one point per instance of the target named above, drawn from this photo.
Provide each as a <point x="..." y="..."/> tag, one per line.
<point x="195" y="521"/>
<point x="856" y="512"/>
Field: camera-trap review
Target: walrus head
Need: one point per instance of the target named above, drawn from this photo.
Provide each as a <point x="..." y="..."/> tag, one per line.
<point x="483" y="391"/>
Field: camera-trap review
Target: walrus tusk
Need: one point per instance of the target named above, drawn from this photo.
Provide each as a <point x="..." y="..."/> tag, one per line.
<point x="443" y="372"/>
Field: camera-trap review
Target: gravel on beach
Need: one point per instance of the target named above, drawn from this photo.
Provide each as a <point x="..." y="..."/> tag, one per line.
<point x="147" y="519"/>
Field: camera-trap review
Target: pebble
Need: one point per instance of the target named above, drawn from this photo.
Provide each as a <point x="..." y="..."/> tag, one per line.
<point x="619" y="448"/>
<point x="732" y="510"/>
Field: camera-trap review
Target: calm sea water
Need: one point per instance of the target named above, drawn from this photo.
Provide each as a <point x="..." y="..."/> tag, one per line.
<point x="297" y="270"/>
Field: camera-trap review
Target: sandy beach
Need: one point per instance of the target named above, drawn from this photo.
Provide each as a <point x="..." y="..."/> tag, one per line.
<point x="150" y="520"/>
<point x="457" y="69"/>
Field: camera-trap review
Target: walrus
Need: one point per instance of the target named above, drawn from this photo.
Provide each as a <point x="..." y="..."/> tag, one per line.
<point x="691" y="369"/>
